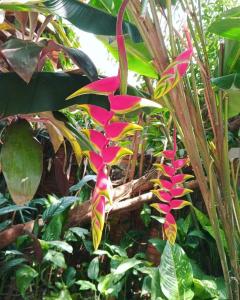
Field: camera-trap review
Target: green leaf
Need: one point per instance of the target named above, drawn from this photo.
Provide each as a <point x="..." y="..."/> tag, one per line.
<point x="21" y="160"/>
<point x="59" y="245"/>
<point x="69" y="276"/>
<point x="24" y="277"/>
<point x="139" y="59"/>
<point x="45" y="92"/>
<point x="206" y="225"/>
<point x="53" y="230"/>
<point x="83" y="61"/>
<point x="22" y="56"/>
<point x="176" y="273"/>
<point x="205" y="289"/>
<point x="57" y="208"/>
<point x="12" y="208"/>
<point x="89" y="19"/>
<point x="80" y="232"/>
<point x="61" y="295"/>
<point x="82" y="182"/>
<point x="86" y="285"/>
<point x="231" y="60"/>
<point x="56" y="258"/>
<point x="156" y="293"/>
<point x="127" y="265"/>
<point x="228" y="24"/>
<point x="11" y="264"/>
<point x="93" y="269"/>
<point x="5" y="224"/>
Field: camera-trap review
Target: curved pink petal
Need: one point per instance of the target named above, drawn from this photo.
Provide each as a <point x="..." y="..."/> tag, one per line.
<point x="162" y="195"/>
<point x="111" y="155"/>
<point x="169" y="154"/>
<point x="121" y="104"/>
<point x="165" y="169"/>
<point x="95" y="160"/>
<point x="99" y="115"/>
<point x="170" y="228"/>
<point x="105" y="86"/>
<point x="177" y="204"/>
<point x="180" y="178"/>
<point x="162" y="208"/>
<point x="117" y="130"/>
<point x="178" y="164"/>
<point x="98" y="140"/>
<point x="179" y="192"/>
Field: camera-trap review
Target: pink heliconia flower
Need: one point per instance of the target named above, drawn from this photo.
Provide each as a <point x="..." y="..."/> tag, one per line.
<point x="111" y="155"/>
<point x="162" y="208"/>
<point x="99" y="115"/>
<point x="105" y="86"/>
<point x="95" y="160"/>
<point x="179" y="192"/>
<point x="177" y="204"/>
<point x="122" y="104"/>
<point x="165" y="184"/>
<point x="168" y="171"/>
<point x="162" y="195"/>
<point x="169" y="154"/>
<point x="180" y="178"/>
<point x="97" y="139"/>
<point x="117" y="130"/>
<point x="170" y="228"/>
<point x="180" y="163"/>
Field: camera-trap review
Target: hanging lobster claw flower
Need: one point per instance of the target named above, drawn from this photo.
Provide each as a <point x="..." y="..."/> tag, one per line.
<point x="180" y="178"/>
<point x="179" y="163"/>
<point x="175" y="71"/>
<point x="122" y="104"/>
<point x="178" y="204"/>
<point x="162" y="195"/>
<point x="162" y="208"/>
<point x="96" y="138"/>
<point x="170" y="228"/>
<point x="99" y="115"/>
<point x="179" y="192"/>
<point x="165" y="169"/>
<point x="98" y="218"/>
<point x="111" y="155"/>
<point x="105" y="86"/>
<point x="118" y="130"/>
<point x="95" y="160"/>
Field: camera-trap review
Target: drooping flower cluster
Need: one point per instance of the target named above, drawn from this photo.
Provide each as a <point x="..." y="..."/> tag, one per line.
<point x="171" y="190"/>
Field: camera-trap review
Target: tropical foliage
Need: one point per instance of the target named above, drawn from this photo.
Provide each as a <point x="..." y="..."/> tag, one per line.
<point x="79" y="148"/>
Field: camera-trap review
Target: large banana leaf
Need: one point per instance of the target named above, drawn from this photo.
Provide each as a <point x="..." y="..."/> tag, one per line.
<point x="45" y="92"/>
<point x="21" y="160"/>
<point x="231" y="84"/>
<point x="81" y="15"/>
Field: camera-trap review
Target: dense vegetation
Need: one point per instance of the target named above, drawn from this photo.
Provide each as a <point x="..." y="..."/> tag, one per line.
<point x="111" y="191"/>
